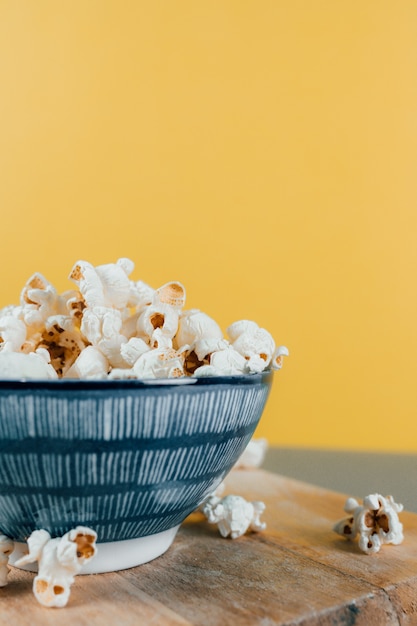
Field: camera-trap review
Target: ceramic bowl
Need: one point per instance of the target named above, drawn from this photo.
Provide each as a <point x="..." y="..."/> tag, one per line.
<point x="130" y="459"/>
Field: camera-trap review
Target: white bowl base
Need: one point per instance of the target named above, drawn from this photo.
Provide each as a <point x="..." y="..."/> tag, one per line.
<point x="114" y="555"/>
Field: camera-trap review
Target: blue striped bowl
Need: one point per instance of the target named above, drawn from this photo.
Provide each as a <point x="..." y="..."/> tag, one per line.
<point x="130" y="459"/>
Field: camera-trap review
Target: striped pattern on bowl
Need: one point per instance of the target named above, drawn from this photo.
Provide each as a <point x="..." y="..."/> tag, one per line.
<point x="127" y="458"/>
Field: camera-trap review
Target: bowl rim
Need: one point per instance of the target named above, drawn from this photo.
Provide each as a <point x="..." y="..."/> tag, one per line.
<point x="75" y="384"/>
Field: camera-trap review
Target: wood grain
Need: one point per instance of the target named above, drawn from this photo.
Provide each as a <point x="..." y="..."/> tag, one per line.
<point x="298" y="571"/>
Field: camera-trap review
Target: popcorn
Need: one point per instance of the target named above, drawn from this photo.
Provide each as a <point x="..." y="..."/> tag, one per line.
<point x="235" y="330"/>
<point x="205" y="347"/>
<point x="111" y="326"/>
<point x="12" y="333"/>
<point x="255" y="344"/>
<point x="130" y="323"/>
<point x="90" y="364"/>
<point x="38" y="300"/>
<point x="73" y="303"/>
<point x="194" y="325"/>
<point x="159" y="363"/>
<point x="6" y="548"/>
<point x="225" y="362"/>
<point x="105" y="285"/>
<point x="133" y="349"/>
<point x="120" y="373"/>
<point x="160" y="340"/>
<point x="18" y="365"/>
<point x="173" y="294"/>
<point x="100" y="322"/>
<point x="141" y="294"/>
<point x="278" y="358"/>
<point x="101" y="326"/>
<point x="200" y="353"/>
<point x="375" y="521"/>
<point x="158" y="316"/>
<point x="233" y="515"/>
<point x="59" y="561"/>
<point x="62" y="339"/>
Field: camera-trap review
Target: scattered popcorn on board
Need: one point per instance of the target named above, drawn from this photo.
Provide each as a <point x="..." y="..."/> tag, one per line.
<point x="376" y="522"/>
<point x="6" y="548"/>
<point x="59" y="561"/>
<point x="234" y="515"/>
<point x="113" y="327"/>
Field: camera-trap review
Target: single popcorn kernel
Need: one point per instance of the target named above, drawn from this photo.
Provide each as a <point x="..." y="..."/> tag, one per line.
<point x="63" y="342"/>
<point x="375" y="521"/>
<point x="234" y="515"/>
<point x="36" y="282"/>
<point x="59" y="560"/>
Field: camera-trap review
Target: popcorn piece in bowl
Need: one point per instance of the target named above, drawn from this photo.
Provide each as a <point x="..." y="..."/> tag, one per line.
<point x="101" y="326"/>
<point x="105" y="285"/>
<point x="199" y="354"/>
<point x="133" y="349"/>
<point x="159" y="363"/>
<point x="194" y="325"/>
<point x="18" y="365"/>
<point x="90" y="364"/>
<point x="12" y="332"/>
<point x="173" y="294"/>
<point x="162" y="317"/>
<point x="227" y="362"/>
<point x="255" y="344"/>
<point x="38" y="300"/>
<point x="204" y="348"/>
<point x="142" y="294"/>
<point x="122" y="373"/>
<point x="375" y="521"/>
<point x="62" y="339"/>
<point x="72" y="303"/>
<point x="278" y="357"/>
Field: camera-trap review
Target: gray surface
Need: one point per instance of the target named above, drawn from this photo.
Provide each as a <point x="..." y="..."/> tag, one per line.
<point x="356" y="474"/>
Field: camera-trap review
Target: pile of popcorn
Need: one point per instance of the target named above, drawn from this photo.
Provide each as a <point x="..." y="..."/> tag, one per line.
<point x="113" y="327"/>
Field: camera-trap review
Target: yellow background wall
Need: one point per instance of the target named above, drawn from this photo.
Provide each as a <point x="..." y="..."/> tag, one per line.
<point x="262" y="152"/>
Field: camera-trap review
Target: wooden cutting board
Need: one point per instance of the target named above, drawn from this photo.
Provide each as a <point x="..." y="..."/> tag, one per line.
<point x="297" y="571"/>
